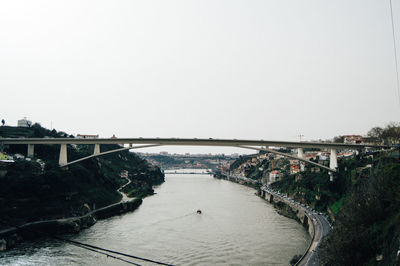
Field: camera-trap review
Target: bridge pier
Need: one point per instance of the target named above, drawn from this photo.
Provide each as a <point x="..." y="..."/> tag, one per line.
<point x="333" y="160"/>
<point x="31" y="150"/>
<point x="63" y="155"/>
<point x="300" y="153"/>
<point x="96" y="148"/>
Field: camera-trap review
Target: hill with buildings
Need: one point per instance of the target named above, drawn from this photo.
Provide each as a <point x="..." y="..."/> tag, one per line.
<point x="361" y="199"/>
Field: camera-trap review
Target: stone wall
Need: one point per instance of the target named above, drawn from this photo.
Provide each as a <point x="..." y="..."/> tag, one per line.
<point x="303" y="218"/>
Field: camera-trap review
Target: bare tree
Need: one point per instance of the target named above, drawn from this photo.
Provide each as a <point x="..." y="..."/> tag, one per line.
<point x="375" y="132"/>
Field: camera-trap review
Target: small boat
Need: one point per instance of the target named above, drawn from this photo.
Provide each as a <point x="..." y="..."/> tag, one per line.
<point x="198" y="211"/>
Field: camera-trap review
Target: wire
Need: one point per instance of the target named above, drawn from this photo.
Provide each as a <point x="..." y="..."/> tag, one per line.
<point x="395" y="51"/>
<point x="106" y="254"/>
<point x="90" y="247"/>
<point x="111" y="251"/>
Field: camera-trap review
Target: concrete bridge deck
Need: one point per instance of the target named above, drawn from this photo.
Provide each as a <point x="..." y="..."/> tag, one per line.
<point x="189" y="142"/>
<point x="151" y="142"/>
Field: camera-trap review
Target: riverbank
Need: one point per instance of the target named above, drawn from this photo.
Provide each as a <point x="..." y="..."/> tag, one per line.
<point x="13" y="235"/>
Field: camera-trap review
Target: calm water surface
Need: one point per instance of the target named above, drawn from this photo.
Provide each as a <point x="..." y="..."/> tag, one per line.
<point x="235" y="228"/>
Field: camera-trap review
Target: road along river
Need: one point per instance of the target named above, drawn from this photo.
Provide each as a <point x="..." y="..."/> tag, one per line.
<point x="235" y="228"/>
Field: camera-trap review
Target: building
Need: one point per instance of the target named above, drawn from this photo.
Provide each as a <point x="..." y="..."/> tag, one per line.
<point x="353" y="139"/>
<point x="302" y="166"/>
<point x="262" y="157"/>
<point x="294" y="169"/>
<point x="24" y="122"/>
<point x="274" y="176"/>
<point x="83" y="136"/>
<point x="323" y="156"/>
<point x="124" y="174"/>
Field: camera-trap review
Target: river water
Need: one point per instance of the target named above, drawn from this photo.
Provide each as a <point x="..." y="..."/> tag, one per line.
<point x="235" y="228"/>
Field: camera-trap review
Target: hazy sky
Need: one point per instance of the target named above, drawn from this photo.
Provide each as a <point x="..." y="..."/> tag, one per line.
<point x="220" y="69"/>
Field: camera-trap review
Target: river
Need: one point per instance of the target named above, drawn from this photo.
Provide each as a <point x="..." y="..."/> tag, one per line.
<point x="235" y="228"/>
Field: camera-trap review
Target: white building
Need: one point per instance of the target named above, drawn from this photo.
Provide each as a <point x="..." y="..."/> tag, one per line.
<point x="274" y="176"/>
<point x="24" y="122"/>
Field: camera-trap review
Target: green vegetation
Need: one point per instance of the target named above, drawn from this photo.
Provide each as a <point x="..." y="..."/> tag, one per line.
<point x="335" y="207"/>
<point x="315" y="188"/>
<point x="367" y="228"/>
<point x="30" y="191"/>
<point x="364" y="201"/>
<point x="239" y="161"/>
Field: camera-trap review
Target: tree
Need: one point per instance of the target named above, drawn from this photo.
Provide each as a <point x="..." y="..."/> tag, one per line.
<point x="375" y="132"/>
<point x="391" y="133"/>
<point x="3" y="122"/>
<point x="338" y="139"/>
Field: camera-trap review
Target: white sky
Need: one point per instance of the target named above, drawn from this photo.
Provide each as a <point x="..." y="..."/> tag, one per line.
<point x="221" y="69"/>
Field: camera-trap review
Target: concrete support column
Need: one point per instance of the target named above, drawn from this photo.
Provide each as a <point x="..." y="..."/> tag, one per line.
<point x="333" y="159"/>
<point x="96" y="148"/>
<point x="63" y="155"/>
<point x="31" y="150"/>
<point x="300" y="153"/>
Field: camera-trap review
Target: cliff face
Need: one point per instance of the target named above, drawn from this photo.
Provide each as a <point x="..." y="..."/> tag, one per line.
<point x="39" y="189"/>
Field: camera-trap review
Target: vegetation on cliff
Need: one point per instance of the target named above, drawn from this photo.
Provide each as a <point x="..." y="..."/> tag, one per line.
<point x="315" y="188"/>
<point x="37" y="190"/>
<point x="367" y="228"/>
<point x="364" y="201"/>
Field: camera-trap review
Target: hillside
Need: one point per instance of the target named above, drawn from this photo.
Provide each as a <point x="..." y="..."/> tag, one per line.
<point x="368" y="220"/>
<point x="39" y="189"/>
<point x="363" y="203"/>
<point x="362" y="200"/>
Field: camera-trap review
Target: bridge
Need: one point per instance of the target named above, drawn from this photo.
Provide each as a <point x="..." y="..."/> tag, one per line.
<point x="260" y="145"/>
<point x="187" y="173"/>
